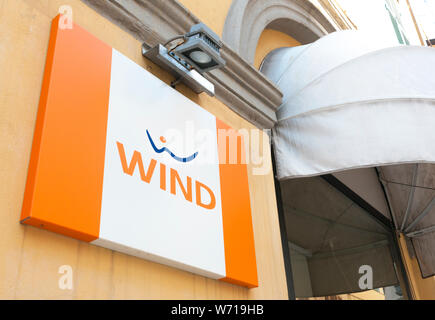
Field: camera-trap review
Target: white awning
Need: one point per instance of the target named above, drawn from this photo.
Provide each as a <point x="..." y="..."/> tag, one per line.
<point x="349" y="104"/>
<point x="352" y="103"/>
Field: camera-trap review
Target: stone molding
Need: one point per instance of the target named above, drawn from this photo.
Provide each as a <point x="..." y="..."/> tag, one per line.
<point x="239" y="85"/>
<point x="247" y="19"/>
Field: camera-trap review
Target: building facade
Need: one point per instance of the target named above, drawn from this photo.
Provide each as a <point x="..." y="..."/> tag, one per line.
<point x="247" y="97"/>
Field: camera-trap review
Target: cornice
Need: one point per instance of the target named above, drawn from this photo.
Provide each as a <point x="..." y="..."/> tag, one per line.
<point x="239" y="85"/>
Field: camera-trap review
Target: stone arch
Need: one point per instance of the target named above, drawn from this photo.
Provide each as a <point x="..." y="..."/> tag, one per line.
<point x="247" y="19"/>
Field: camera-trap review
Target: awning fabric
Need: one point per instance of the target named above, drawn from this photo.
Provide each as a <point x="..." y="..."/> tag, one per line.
<point x="348" y="104"/>
<point x="411" y="192"/>
<point x="331" y="237"/>
<point x="352" y="103"/>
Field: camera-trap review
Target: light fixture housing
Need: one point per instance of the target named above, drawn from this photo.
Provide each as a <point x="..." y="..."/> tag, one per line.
<point x="179" y="68"/>
<point x="199" y="53"/>
<point x="201" y="49"/>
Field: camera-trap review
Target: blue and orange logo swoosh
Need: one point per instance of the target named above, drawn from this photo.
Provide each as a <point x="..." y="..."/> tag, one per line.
<point x="160" y="150"/>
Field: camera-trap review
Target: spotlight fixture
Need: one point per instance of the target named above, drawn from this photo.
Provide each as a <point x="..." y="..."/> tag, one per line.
<point x="201" y="49"/>
<point x="198" y="53"/>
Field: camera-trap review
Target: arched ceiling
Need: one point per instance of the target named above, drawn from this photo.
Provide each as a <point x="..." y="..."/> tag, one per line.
<point x="247" y="19"/>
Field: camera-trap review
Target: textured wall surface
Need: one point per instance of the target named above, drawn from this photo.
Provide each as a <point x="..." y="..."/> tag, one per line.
<point x="269" y="41"/>
<point x="31" y="257"/>
<point x="212" y="13"/>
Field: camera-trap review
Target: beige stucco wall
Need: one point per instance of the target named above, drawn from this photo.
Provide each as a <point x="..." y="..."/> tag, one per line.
<point x="31" y="257"/>
<point x="212" y="13"/>
<point x="269" y="41"/>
